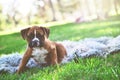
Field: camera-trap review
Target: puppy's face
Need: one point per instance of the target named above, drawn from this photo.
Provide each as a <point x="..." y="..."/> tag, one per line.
<point x="35" y="36"/>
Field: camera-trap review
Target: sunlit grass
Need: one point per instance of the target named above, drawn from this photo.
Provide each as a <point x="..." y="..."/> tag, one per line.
<point x="9" y="30"/>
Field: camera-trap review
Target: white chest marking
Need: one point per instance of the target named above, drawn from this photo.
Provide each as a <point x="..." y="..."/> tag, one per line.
<point x="39" y="54"/>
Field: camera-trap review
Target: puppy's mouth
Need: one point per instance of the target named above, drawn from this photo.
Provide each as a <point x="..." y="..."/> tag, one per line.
<point x="34" y="44"/>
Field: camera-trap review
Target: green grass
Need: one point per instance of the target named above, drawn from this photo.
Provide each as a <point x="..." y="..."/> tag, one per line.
<point x="86" y="69"/>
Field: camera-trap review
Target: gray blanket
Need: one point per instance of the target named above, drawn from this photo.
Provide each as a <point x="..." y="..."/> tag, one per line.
<point x="100" y="47"/>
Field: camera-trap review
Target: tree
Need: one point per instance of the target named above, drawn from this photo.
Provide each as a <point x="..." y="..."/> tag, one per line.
<point x="67" y="7"/>
<point x="116" y="5"/>
<point x="41" y="10"/>
<point x="53" y="10"/>
<point x="0" y="16"/>
<point x="13" y="13"/>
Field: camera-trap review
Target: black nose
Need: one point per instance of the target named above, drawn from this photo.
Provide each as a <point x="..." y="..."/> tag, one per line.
<point x="34" y="43"/>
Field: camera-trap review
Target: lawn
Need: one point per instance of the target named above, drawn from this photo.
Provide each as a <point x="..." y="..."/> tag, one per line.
<point x="86" y="69"/>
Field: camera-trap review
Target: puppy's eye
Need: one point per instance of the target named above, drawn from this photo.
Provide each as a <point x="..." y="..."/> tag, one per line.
<point x="39" y="35"/>
<point x="30" y="36"/>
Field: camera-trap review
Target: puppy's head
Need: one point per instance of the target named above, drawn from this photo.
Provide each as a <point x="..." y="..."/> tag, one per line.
<point x="35" y="35"/>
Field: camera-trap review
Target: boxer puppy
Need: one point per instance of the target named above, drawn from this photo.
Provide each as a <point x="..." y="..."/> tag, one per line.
<point x="40" y="48"/>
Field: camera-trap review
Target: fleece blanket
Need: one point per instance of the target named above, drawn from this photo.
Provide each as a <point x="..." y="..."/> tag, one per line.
<point x="87" y="47"/>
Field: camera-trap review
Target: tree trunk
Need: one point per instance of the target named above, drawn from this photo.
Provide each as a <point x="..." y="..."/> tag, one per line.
<point x="53" y="10"/>
<point x="15" y="21"/>
<point x="60" y="6"/>
<point x="116" y="2"/>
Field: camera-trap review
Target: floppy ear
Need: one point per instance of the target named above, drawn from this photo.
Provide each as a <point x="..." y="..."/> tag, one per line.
<point x="24" y="33"/>
<point x="46" y="31"/>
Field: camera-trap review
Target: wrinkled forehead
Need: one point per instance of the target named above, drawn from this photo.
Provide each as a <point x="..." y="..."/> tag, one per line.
<point x="35" y="30"/>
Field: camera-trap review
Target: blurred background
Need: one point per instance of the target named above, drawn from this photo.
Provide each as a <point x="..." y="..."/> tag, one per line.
<point x="67" y="19"/>
<point x="17" y="13"/>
